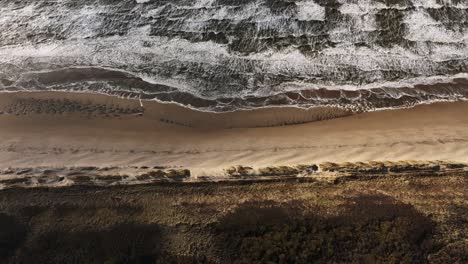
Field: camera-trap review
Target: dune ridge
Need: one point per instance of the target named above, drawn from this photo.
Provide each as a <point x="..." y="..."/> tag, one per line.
<point x="328" y="172"/>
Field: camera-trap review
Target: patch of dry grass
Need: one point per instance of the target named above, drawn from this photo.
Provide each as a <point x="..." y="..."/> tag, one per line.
<point x="400" y="220"/>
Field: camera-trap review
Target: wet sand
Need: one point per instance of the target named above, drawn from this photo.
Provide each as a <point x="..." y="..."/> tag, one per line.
<point x="73" y="129"/>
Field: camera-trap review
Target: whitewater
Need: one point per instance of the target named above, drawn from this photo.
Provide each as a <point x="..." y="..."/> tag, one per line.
<point x="223" y="55"/>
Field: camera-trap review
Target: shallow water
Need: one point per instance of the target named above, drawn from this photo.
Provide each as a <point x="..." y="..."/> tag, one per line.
<point x="222" y="55"/>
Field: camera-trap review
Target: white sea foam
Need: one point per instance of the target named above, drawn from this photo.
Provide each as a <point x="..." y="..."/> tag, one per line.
<point x="439" y="3"/>
<point x="361" y="7"/>
<point x="406" y="83"/>
<point x="309" y="10"/>
<point x="424" y="28"/>
<point x="117" y="55"/>
<point x="147" y="56"/>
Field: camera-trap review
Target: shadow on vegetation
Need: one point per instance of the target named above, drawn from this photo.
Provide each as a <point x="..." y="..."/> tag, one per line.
<point x="365" y="229"/>
<point x="368" y="229"/>
<point x="124" y="243"/>
<point x="12" y="235"/>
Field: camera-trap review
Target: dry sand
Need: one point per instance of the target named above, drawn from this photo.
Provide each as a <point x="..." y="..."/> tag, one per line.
<point x="77" y="129"/>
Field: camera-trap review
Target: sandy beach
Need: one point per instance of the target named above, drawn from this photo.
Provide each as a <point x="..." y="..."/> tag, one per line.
<point x="78" y="129"/>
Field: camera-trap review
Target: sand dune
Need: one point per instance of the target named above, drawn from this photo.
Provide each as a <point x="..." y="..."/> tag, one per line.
<point x="327" y="172"/>
<point x="77" y="129"/>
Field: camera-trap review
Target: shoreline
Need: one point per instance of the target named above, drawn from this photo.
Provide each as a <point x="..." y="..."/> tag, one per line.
<point x="236" y="119"/>
<point x="189" y="107"/>
<point x="359" y="99"/>
<point x="304" y="107"/>
<point x="59" y="129"/>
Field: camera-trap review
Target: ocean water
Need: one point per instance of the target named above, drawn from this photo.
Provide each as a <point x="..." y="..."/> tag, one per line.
<point x="223" y="55"/>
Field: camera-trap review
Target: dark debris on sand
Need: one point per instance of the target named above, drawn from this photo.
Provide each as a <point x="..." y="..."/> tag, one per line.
<point x="26" y="106"/>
